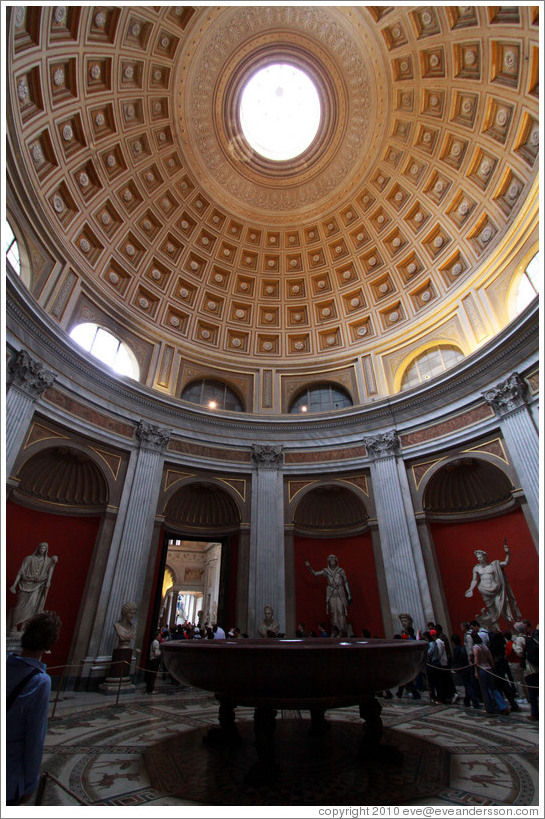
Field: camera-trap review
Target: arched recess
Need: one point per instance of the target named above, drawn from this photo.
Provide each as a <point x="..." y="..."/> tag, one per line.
<point x="60" y="495"/>
<point x="203" y="510"/>
<point x="332" y="517"/>
<point x="531" y="268"/>
<point x="25" y="271"/>
<point x="213" y="393"/>
<point x="438" y="343"/>
<point x="321" y="396"/>
<point x="471" y="501"/>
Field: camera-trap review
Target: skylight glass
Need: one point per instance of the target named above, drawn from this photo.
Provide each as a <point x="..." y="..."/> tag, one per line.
<point x="12" y="248"/>
<point x="106" y="348"/>
<point x="280" y="111"/>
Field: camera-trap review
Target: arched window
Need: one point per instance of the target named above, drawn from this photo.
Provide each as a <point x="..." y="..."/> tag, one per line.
<point x="107" y="348"/>
<point x="212" y="394"/>
<point x="432" y="362"/>
<point x="529" y="284"/>
<point x="321" y="398"/>
<point x="12" y="248"/>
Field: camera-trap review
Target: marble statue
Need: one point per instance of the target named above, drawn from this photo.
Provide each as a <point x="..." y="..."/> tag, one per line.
<point x="125" y="628"/>
<point x="495" y="590"/>
<point x="269" y="626"/>
<point x="337" y="592"/>
<point x="406" y="621"/>
<point x="31" y="586"/>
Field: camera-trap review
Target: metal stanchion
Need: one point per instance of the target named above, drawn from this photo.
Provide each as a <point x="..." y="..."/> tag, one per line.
<point x="58" y="693"/>
<point x="119" y="684"/>
<point x="41" y="789"/>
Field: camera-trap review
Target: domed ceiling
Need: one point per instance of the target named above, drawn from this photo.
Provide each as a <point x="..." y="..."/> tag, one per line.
<point x="124" y="130"/>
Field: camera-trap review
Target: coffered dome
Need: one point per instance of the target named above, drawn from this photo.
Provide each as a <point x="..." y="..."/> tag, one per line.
<point x="392" y="232"/>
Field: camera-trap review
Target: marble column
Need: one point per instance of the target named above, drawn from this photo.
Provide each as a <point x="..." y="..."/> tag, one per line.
<point x="171" y="610"/>
<point x="267" y="565"/>
<point x="131" y="542"/>
<point x="243" y="576"/>
<point x="27" y="379"/>
<point x="508" y="400"/>
<point x="404" y="568"/>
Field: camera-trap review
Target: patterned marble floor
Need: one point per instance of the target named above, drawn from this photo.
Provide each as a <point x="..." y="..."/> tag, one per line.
<point x="147" y="751"/>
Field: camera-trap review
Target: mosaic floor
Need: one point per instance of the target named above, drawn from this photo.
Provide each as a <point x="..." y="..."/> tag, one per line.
<point x="148" y="751"/>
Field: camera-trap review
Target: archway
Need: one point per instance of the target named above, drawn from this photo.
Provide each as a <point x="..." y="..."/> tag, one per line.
<point x="332" y="518"/>
<point x="471" y="503"/>
<point x="60" y="497"/>
<point x="200" y="549"/>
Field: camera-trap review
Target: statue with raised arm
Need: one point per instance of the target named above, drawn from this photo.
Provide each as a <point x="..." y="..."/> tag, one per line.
<point x="495" y="590"/>
<point x="337" y="592"/>
<point x="269" y="626"/>
<point x="125" y="628"/>
<point x="31" y="586"/>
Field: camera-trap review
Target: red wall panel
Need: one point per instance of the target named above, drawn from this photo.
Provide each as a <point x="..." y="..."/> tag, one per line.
<point x="72" y="539"/>
<point x="454" y="546"/>
<point x="355" y="556"/>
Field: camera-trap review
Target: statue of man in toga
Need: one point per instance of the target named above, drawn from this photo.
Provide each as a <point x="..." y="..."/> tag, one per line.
<point x="31" y="586"/>
<point x="337" y="592"/>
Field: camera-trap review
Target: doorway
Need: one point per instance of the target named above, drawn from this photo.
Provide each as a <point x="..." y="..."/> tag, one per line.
<point x="191" y="583"/>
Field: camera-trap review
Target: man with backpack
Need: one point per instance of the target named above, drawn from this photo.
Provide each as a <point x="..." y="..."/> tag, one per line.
<point x="526" y="646"/>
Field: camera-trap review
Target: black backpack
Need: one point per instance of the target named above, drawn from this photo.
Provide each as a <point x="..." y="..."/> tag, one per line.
<point x="531" y="653"/>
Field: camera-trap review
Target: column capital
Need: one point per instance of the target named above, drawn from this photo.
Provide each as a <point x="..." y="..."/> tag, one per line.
<point x="268" y="456"/>
<point x="385" y="445"/>
<point x="29" y="375"/>
<point x="507" y="395"/>
<point x="152" y="437"/>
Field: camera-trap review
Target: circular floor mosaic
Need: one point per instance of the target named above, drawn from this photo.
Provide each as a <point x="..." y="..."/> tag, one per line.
<point x="327" y="769"/>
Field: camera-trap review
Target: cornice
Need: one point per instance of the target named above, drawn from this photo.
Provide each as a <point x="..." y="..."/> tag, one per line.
<point x="507" y="352"/>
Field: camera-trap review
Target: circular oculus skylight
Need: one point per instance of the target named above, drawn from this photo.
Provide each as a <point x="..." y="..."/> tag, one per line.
<point x="280" y="111"/>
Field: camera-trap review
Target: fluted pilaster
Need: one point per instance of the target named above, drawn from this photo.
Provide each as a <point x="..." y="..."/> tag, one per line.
<point x="508" y="400"/>
<point x="407" y="586"/>
<point x="27" y="379"/>
<point x="131" y="542"/>
<point x="267" y="563"/>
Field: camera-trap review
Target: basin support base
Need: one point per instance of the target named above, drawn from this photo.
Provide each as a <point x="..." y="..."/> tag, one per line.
<point x="227" y="733"/>
<point x="370" y="711"/>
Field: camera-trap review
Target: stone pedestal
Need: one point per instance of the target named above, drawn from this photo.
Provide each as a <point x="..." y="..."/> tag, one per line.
<point x="119" y="679"/>
<point x="13" y="643"/>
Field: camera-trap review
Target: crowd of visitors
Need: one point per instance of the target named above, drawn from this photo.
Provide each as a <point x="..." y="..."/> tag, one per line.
<point x="497" y="670"/>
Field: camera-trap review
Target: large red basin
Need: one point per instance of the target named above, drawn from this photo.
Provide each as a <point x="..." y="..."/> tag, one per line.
<point x="295" y="673"/>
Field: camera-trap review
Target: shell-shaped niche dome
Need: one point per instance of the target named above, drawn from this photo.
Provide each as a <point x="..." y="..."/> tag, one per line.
<point x="330" y="508"/>
<point x="467" y="484"/>
<point x="202" y="505"/>
<point x="64" y="476"/>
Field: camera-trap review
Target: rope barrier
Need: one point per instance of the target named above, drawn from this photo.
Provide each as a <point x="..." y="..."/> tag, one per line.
<point x="472" y="666"/>
<point x="41" y="790"/>
<point x="46" y="775"/>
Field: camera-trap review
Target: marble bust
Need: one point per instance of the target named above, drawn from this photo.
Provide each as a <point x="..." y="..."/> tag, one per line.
<point x="269" y="626"/>
<point x="125" y="628"/>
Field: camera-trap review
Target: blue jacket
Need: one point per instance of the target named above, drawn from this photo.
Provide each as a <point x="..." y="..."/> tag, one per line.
<point x="26" y="726"/>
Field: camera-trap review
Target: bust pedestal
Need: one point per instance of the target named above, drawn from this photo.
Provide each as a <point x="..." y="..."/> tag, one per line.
<point x="119" y="679"/>
<point x="13" y="643"/>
